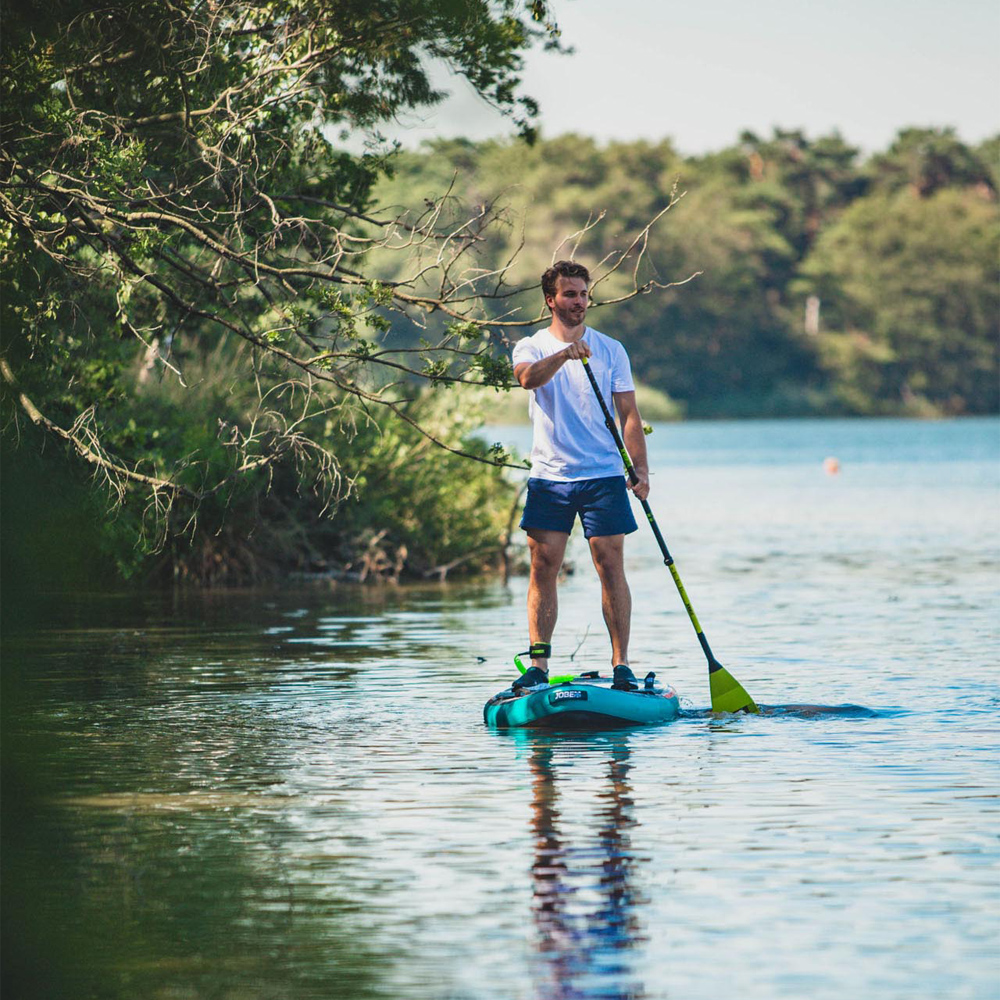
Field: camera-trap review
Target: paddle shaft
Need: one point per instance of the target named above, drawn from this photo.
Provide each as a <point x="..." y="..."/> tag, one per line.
<point x="668" y="561"/>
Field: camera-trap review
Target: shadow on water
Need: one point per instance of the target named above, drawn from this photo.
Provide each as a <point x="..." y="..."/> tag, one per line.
<point x="584" y="874"/>
<point x="802" y="712"/>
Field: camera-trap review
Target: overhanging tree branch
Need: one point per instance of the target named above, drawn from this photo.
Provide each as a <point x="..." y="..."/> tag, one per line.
<point x="168" y="177"/>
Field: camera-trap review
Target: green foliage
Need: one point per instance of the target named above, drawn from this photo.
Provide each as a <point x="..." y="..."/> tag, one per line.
<point x="930" y="160"/>
<point x="654" y="404"/>
<point x="189" y="306"/>
<point x="721" y="339"/>
<point x="911" y="301"/>
<point x="496" y="372"/>
<point x="398" y="495"/>
<point x="988" y="153"/>
<point x="54" y="532"/>
<point x="433" y="505"/>
<point x="758" y="223"/>
<point x="803" y="182"/>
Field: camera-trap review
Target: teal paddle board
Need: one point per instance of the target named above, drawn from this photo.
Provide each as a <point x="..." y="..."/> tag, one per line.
<point x="585" y="702"/>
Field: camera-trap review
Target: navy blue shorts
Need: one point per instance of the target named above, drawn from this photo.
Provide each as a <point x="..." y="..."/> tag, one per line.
<point x="601" y="503"/>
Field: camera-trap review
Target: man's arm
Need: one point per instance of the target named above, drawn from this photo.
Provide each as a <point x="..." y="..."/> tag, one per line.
<point x="635" y="440"/>
<point x="533" y="374"/>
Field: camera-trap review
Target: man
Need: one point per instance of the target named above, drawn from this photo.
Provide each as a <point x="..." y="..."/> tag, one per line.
<point x="575" y="465"/>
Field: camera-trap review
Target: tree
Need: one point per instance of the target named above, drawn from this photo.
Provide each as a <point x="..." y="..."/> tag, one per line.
<point x="910" y="302"/>
<point x="927" y="160"/>
<point x="722" y="343"/>
<point x="185" y="239"/>
<point x="803" y="182"/>
<point x="988" y="153"/>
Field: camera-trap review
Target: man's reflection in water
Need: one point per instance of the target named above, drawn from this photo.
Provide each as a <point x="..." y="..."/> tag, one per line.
<point x="584" y="897"/>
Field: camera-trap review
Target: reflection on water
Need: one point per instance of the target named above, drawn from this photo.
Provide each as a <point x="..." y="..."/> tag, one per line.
<point x="584" y="891"/>
<point x="291" y="794"/>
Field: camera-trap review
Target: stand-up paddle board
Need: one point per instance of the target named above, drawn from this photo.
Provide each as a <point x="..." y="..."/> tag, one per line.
<point x="585" y="702"/>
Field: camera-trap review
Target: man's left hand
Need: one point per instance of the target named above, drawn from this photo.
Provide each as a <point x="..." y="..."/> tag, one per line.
<point x="641" y="486"/>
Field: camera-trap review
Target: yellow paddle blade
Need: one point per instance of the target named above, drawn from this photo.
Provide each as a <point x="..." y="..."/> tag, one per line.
<point x="727" y="692"/>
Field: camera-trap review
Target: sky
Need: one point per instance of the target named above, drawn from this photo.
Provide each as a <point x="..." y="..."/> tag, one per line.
<point x="702" y="72"/>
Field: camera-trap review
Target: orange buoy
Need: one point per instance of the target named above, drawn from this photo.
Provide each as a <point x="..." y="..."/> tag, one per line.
<point x="831" y="465"/>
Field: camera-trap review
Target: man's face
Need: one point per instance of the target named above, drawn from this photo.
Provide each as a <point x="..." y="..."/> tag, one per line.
<point x="569" y="304"/>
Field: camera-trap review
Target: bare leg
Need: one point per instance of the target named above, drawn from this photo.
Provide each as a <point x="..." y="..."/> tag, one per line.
<point x="547" y="549"/>
<point x="608" y="553"/>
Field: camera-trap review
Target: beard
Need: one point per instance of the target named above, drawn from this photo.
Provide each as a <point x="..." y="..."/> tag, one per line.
<point x="573" y="316"/>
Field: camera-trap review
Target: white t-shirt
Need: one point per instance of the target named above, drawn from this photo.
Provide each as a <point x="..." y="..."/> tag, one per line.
<point x="570" y="440"/>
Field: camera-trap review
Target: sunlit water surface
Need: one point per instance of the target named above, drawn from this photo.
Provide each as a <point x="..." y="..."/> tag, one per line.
<point x="292" y="794"/>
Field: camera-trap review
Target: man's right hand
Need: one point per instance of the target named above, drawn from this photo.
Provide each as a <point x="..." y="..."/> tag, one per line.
<point x="535" y="374"/>
<point x="577" y="351"/>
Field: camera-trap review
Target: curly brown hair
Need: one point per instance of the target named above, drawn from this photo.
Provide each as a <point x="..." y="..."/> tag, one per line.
<point x="562" y="269"/>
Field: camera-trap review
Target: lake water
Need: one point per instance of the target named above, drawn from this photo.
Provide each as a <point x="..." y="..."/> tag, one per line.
<point x="291" y="794"/>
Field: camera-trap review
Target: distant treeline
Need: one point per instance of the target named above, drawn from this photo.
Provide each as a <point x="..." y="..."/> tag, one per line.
<point x="826" y="284"/>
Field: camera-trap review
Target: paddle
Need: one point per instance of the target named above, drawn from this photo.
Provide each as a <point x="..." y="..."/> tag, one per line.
<point x="727" y="692"/>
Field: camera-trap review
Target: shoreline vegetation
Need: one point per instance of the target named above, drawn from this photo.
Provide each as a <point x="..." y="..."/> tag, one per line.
<point x="233" y="350"/>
